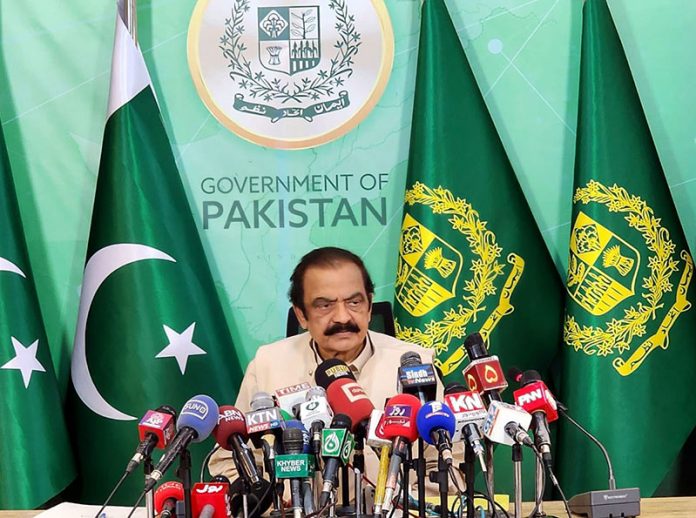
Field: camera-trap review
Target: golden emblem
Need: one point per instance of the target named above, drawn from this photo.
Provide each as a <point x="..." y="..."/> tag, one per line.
<point x="595" y="255"/>
<point x="429" y="270"/>
<point x="602" y="272"/>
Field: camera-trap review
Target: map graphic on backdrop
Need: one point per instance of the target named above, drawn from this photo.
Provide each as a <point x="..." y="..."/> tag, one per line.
<point x="290" y="74"/>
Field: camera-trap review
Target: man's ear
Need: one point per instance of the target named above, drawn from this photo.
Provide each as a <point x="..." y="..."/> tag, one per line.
<point x="301" y="318"/>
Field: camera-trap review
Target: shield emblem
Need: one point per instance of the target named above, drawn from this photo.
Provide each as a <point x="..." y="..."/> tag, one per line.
<point x="428" y="269"/>
<point x="289" y="38"/>
<point x="602" y="267"/>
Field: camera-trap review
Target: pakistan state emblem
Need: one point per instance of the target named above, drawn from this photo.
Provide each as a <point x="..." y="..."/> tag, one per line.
<point x="290" y="74"/>
<point x="430" y="274"/>
<point x="604" y="280"/>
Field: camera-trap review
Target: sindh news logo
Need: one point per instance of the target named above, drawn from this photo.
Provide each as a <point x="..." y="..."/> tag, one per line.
<point x="290" y="74"/>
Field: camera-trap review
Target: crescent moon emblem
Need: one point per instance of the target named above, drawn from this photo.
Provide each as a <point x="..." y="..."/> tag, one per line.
<point x="99" y="267"/>
<point x="8" y="266"/>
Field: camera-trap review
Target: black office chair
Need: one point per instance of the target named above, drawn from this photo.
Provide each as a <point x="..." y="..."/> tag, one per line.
<point x="382" y="320"/>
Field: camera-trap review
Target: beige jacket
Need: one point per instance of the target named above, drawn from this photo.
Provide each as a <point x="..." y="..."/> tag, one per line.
<point x="292" y="360"/>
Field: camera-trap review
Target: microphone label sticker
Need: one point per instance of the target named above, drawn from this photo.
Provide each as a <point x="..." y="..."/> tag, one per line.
<point x="290" y="74"/>
<point x="196" y="408"/>
<point x="332" y="441"/>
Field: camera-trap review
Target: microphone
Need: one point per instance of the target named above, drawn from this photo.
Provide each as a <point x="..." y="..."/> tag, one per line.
<point x="231" y="435"/>
<point x="483" y="374"/>
<point x="436" y="423"/>
<point x="336" y="446"/>
<point x="196" y="421"/>
<point x="347" y="397"/>
<point x="399" y="426"/>
<point x="295" y="466"/>
<point x="156" y="430"/>
<point x="375" y="432"/>
<point x="470" y="414"/>
<point x="316" y="414"/>
<point x="264" y="419"/>
<point x="507" y="424"/>
<point x="297" y="425"/>
<point x="211" y="499"/>
<point x="416" y="377"/>
<point x="166" y="497"/>
<point x="289" y="397"/>
<point x="534" y="397"/>
<point x="331" y="370"/>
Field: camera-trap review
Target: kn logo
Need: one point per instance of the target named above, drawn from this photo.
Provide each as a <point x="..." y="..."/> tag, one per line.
<point x="290" y="74"/>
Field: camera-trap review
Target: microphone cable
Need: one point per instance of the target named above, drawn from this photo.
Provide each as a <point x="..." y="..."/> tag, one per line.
<point x="135" y="506"/>
<point x="206" y="459"/>
<point x="554" y="481"/>
<point x="111" y="495"/>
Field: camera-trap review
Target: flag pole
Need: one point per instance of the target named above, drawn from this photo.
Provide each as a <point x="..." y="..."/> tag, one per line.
<point x="131" y="19"/>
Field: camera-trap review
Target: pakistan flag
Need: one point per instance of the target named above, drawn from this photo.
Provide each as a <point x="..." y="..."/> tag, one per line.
<point x="36" y="460"/>
<point x="629" y="329"/>
<point x="150" y="329"/>
<point x="471" y="257"/>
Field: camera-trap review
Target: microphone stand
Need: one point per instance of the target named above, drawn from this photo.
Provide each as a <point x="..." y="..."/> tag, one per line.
<point x="517" y="467"/>
<point x="345" y="509"/>
<point x="150" y="495"/>
<point x="408" y="464"/>
<point x="358" y="470"/>
<point x="440" y="476"/>
<point x="184" y="473"/>
<point x="539" y="493"/>
<point x="469" y="477"/>
<point x="490" y="476"/>
<point x="420" y="478"/>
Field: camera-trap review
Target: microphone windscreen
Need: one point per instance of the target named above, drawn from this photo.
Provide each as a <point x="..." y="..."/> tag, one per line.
<point x="400" y="417"/>
<point x="434" y="416"/>
<point x="453" y="388"/>
<point x="230" y="421"/>
<point x="347" y="397"/>
<point x="170" y="489"/>
<point x="293" y="440"/>
<point x="410" y="358"/>
<point x="341" y="421"/>
<point x="331" y="370"/>
<point x="167" y="410"/>
<point x="475" y="346"/>
<point x="528" y="377"/>
<point x="297" y="425"/>
<point x="261" y="401"/>
<point x="514" y="373"/>
<point x="201" y="414"/>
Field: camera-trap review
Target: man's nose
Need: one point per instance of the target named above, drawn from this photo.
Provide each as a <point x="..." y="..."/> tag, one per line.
<point x="341" y="313"/>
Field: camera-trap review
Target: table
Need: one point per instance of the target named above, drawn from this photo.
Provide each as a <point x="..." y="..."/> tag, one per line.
<point x="678" y="507"/>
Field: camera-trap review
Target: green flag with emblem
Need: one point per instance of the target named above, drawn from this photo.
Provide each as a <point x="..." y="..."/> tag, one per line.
<point x="471" y="257"/>
<point x="150" y="329"/>
<point x="36" y="461"/>
<point x="629" y="328"/>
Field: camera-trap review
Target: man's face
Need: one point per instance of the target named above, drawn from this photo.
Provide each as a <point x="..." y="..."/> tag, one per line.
<point x="337" y="309"/>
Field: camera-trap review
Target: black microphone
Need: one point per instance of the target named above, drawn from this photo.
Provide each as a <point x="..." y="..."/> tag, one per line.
<point x="481" y="366"/>
<point x="231" y="434"/>
<point x="196" y="422"/>
<point x="293" y="443"/>
<point x="331" y="451"/>
<point x="417" y="378"/>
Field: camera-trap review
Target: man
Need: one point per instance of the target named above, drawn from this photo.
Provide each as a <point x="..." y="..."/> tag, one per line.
<point x="331" y="294"/>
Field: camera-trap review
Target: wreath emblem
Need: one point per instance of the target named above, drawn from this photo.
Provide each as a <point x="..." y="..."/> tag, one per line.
<point x="289" y="36"/>
<point x="421" y="253"/>
<point x="617" y="335"/>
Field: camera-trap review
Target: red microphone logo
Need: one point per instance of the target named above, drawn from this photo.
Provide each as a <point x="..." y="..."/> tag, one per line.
<point x="536" y="397"/>
<point x="485" y="374"/>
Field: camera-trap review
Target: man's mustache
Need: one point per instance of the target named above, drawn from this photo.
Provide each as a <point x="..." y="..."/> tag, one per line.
<point x="349" y="327"/>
